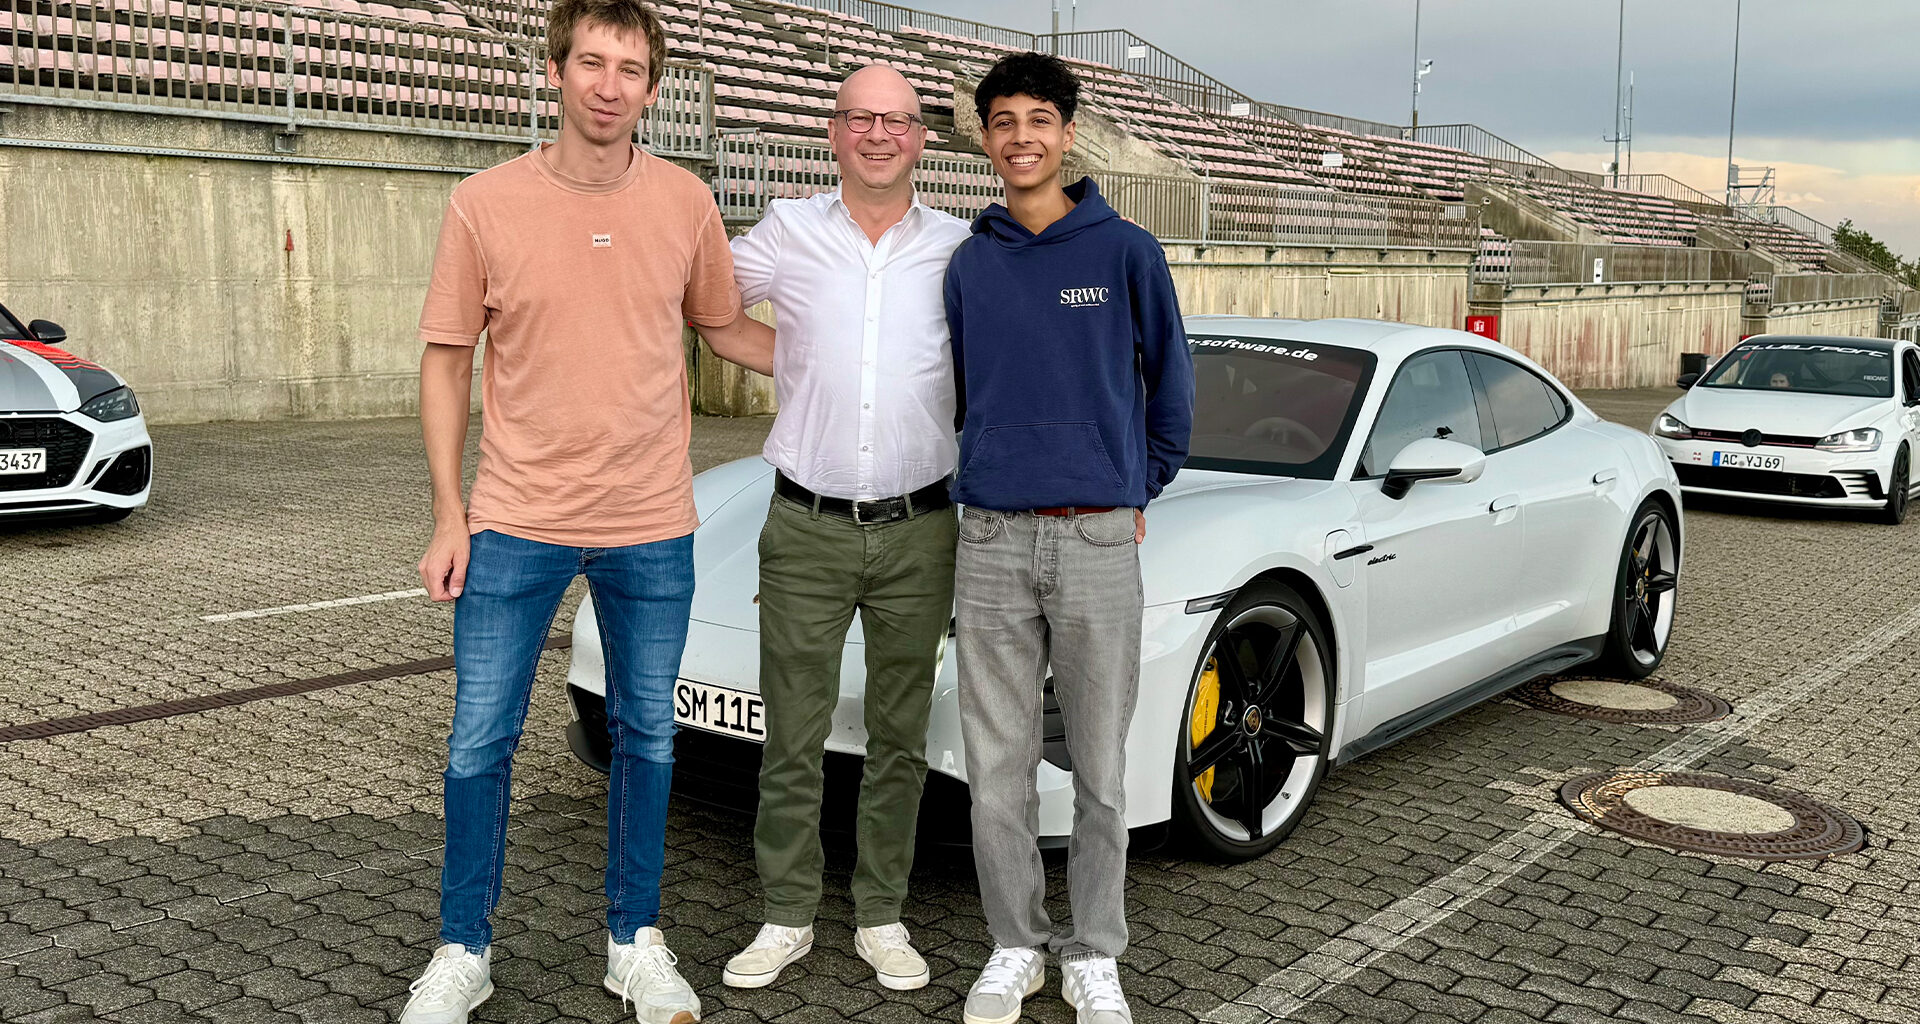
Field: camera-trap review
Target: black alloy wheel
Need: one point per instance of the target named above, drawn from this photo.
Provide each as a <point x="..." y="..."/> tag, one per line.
<point x="1644" y="593"/>
<point x="1254" y="740"/>
<point x="1895" y="511"/>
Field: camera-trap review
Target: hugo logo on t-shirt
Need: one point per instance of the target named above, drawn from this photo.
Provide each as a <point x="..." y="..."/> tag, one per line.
<point x="1081" y="298"/>
<point x="603" y="241"/>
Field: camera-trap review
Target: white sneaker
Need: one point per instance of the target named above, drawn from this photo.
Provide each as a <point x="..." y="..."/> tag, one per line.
<point x="642" y="973"/>
<point x="1010" y="976"/>
<point x="454" y="982"/>
<point x="760" y="964"/>
<point x="1092" y="987"/>
<point x="895" y="962"/>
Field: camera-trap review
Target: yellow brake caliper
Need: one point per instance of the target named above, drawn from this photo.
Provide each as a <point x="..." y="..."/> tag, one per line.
<point x="1206" y="713"/>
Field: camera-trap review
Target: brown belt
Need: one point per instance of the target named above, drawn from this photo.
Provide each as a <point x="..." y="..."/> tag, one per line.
<point x="1074" y="510"/>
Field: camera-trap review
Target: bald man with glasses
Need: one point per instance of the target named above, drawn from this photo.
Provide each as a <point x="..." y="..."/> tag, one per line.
<point x="860" y="520"/>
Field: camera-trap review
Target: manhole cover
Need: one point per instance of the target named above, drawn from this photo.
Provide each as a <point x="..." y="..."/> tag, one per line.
<point x="1645" y="702"/>
<point x="1712" y="814"/>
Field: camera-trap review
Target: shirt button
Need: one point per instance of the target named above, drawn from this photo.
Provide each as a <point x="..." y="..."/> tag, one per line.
<point x="866" y="405"/>
<point x="865" y="448"/>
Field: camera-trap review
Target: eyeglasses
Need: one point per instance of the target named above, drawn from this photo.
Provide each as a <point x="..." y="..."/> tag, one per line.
<point x="861" y="121"/>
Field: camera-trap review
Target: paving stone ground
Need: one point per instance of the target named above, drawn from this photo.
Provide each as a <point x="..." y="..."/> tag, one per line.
<point x="278" y="860"/>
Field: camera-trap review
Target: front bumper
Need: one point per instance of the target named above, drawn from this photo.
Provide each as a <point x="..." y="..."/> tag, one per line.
<point x="1806" y="476"/>
<point x="721" y="769"/>
<point x="90" y="465"/>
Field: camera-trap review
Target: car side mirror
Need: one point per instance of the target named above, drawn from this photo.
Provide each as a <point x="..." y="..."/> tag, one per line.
<point x="1687" y="380"/>
<point x="1434" y="459"/>
<point x="47" y="332"/>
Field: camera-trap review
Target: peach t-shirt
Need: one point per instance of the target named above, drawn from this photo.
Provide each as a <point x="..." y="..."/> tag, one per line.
<point x="581" y="288"/>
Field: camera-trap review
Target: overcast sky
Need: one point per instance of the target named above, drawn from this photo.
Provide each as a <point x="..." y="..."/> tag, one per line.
<point x="1829" y="89"/>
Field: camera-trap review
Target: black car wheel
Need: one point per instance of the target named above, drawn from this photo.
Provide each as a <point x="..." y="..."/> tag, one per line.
<point x="1643" y="596"/>
<point x="1895" y="511"/>
<point x="1259" y="714"/>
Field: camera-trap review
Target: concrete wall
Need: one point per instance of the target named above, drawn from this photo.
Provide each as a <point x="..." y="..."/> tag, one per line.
<point x="1417" y="286"/>
<point x="175" y="270"/>
<point x="1614" y="336"/>
<point x="1850" y="318"/>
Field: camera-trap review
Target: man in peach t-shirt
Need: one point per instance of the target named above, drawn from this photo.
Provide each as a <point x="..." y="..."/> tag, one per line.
<point x="580" y="262"/>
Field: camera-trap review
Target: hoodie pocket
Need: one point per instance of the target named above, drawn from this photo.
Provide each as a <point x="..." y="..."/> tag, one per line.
<point x="1068" y="456"/>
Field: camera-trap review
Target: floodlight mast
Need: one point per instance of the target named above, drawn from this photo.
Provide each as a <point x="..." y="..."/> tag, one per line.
<point x="1416" y="66"/>
<point x="1733" y="104"/>
<point x="1619" y="61"/>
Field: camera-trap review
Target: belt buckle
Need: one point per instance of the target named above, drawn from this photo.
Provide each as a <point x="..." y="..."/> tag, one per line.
<point x="855" y="506"/>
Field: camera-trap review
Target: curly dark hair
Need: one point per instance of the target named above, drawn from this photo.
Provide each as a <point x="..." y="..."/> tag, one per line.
<point x="1039" y="75"/>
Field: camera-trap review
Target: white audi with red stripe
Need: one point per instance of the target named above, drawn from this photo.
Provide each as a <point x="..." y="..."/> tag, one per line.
<point x="72" y="439"/>
<point x="1802" y="421"/>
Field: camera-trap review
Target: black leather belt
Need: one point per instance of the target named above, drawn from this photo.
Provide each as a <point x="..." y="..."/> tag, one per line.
<point x="872" y="511"/>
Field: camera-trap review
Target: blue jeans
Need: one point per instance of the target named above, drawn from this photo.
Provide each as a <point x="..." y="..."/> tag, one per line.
<point x="642" y="595"/>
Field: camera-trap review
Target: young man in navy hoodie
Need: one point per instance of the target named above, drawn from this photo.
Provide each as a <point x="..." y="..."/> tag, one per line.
<point x="1076" y="399"/>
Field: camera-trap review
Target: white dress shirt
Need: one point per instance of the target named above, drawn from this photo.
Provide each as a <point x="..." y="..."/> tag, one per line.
<point x="863" y="370"/>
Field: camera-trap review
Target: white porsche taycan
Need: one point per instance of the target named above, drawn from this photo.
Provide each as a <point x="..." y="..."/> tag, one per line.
<point x="72" y="440"/>
<point x="1378" y="526"/>
<point x="1801" y="420"/>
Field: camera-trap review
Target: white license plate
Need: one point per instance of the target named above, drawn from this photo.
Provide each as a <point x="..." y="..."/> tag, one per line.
<point x="22" y="460"/>
<point x="1742" y="460"/>
<point x="720" y="710"/>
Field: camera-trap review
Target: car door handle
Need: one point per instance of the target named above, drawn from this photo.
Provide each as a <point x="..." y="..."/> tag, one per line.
<point x="1503" y="503"/>
<point x="1606" y="476"/>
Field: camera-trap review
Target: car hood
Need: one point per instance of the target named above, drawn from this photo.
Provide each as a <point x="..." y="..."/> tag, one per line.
<point x="733" y="506"/>
<point x="1775" y="412"/>
<point x="40" y="378"/>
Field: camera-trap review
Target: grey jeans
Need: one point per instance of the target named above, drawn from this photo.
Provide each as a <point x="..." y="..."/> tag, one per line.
<point x="1034" y="593"/>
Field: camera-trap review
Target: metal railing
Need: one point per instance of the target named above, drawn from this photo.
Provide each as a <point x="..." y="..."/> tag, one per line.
<point x="1121" y="49"/>
<point x="298" y="66"/>
<point x="680" y="122"/>
<point x="1321" y="119"/>
<point x="1665" y="187"/>
<point x="1525" y="262"/>
<point x="1222" y="212"/>
<point x="1476" y="140"/>
<point x="892" y="17"/>
<point x="1790" y="218"/>
<point x="753" y="170"/>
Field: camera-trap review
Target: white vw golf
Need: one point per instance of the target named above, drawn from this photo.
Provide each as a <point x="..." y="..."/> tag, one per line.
<point x="1378" y="527"/>
<point x="1808" y="421"/>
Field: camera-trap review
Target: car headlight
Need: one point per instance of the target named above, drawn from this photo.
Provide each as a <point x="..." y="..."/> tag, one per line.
<point x="117" y="404"/>
<point x="1865" y="439"/>
<point x="1670" y="427"/>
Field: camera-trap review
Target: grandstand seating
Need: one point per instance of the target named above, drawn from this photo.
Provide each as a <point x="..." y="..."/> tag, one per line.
<point x="1778" y="239"/>
<point x="775" y="66"/>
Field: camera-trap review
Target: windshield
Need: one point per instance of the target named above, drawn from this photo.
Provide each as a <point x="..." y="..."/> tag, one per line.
<point x="1810" y="366"/>
<point x="11" y="329"/>
<point x="1273" y="407"/>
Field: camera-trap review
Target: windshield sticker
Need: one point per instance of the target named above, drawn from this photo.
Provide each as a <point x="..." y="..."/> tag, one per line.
<point x="1302" y="354"/>
<point x="1788" y="346"/>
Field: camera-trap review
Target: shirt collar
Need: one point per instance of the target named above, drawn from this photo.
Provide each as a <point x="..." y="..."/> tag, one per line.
<point x="914" y="211"/>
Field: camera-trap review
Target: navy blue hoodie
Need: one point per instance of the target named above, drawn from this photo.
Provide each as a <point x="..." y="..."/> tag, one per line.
<point x="1074" y="380"/>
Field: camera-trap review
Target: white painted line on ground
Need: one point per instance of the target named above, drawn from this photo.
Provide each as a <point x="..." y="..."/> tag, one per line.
<point x="339" y="602"/>
<point x="1358" y="946"/>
